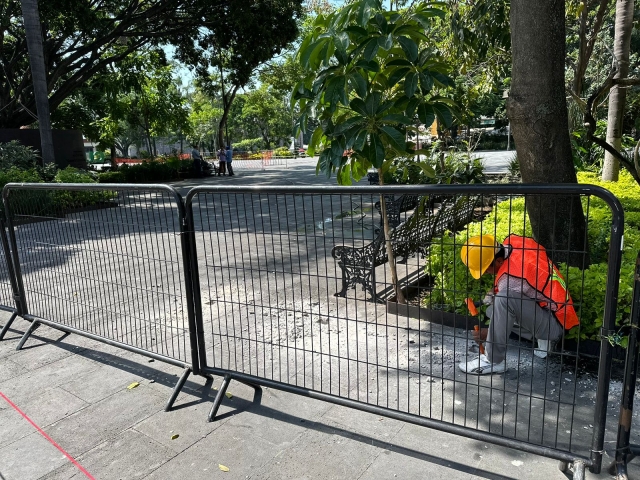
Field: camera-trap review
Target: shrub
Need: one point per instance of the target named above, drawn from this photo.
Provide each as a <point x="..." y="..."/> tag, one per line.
<point x="14" y="154"/>
<point x="282" y="152"/>
<point x="64" y="200"/>
<point x="452" y="282"/>
<point x="111" y="177"/>
<point x="250" y="144"/>
<point x="450" y="167"/>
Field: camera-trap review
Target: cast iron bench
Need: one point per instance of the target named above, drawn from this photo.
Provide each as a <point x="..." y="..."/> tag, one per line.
<point x="358" y="264"/>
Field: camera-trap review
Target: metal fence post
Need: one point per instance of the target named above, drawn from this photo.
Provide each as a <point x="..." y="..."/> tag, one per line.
<point x="624" y="451"/>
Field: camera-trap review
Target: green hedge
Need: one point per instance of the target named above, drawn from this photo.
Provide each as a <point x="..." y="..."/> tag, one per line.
<point x="148" y="172"/>
<point x="453" y="282"/>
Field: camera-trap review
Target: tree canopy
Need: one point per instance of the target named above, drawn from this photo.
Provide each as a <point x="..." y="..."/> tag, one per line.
<point x="81" y="38"/>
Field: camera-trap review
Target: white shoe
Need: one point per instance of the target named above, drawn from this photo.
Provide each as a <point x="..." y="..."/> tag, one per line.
<point x="482" y="366"/>
<point x="544" y="346"/>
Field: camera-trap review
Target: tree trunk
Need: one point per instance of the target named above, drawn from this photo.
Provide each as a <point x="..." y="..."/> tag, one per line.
<point x="227" y="101"/>
<point x="387" y="243"/>
<point x="537" y="111"/>
<point x="33" y="31"/>
<point x="618" y="94"/>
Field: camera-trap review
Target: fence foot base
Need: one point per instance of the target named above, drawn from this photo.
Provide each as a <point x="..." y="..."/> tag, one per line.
<point x="578" y="470"/>
<point x="563" y="467"/>
<point x="5" y="329"/>
<point x="218" y="400"/>
<point x="177" y="388"/>
<point x="27" y="334"/>
<point x="618" y="467"/>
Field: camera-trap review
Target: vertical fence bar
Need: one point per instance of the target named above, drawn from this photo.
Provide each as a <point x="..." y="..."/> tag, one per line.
<point x="623" y="449"/>
<point x="608" y="328"/>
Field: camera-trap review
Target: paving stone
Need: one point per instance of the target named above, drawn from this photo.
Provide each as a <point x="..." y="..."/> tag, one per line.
<point x="242" y="453"/>
<point x="105" y="419"/>
<point x="29" y="458"/>
<point x="10" y="369"/>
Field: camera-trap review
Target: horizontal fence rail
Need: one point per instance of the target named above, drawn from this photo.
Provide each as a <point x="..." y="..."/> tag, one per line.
<point x="108" y="262"/>
<point x="293" y="290"/>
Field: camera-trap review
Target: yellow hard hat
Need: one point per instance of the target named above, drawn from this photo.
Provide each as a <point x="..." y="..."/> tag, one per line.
<point x="478" y="254"/>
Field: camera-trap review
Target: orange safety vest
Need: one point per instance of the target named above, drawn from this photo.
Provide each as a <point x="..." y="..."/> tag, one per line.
<point x="528" y="260"/>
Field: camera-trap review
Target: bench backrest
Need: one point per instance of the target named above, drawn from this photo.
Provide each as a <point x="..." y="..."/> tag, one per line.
<point x="416" y="233"/>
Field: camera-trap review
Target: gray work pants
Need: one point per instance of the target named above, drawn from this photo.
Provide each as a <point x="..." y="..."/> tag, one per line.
<point x="510" y="307"/>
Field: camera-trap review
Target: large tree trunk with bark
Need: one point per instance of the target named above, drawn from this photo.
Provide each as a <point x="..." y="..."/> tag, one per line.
<point x="618" y="94"/>
<point x="537" y="110"/>
<point x="33" y="31"/>
<point x="227" y="101"/>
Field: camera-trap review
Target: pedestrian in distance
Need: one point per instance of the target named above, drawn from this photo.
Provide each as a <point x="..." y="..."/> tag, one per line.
<point x="222" y="161"/>
<point x="197" y="162"/>
<point x="528" y="290"/>
<point x="229" y="154"/>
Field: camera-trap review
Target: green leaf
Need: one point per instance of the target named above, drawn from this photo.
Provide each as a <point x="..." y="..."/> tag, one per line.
<point x="324" y="163"/>
<point x="355" y="29"/>
<point x="334" y="89"/>
<point x="426" y="82"/>
<point x="426" y="114"/>
<point x="412" y="106"/>
<point x="305" y="55"/>
<point x="372" y="102"/>
<point x="427" y="169"/>
<point x="371" y="66"/>
<point x="347" y="124"/>
<point x="344" y="175"/>
<point x="410" y="84"/>
<point x="358" y="105"/>
<point x="360" y="141"/>
<point x="410" y="48"/>
<point x="374" y="150"/>
<point x="396" y="118"/>
<point x="358" y="169"/>
<point x="399" y="62"/>
<point x="398" y="74"/>
<point x="371" y="50"/>
<point x="443" y="80"/>
<point x="443" y="113"/>
<point x="315" y="140"/>
<point x="386" y="42"/>
<point x="397" y="137"/>
<point x="358" y="83"/>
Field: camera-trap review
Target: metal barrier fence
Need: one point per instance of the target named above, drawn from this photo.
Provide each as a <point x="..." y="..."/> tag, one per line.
<point x="109" y="262"/>
<point x="9" y="298"/>
<point x="625" y="452"/>
<point x="274" y="271"/>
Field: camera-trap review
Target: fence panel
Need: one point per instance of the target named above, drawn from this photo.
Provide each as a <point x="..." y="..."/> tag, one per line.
<point x="108" y="262"/>
<point x="293" y="290"/>
<point x="9" y="298"/>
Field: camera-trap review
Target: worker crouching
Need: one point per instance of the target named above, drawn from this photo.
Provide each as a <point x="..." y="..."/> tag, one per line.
<point x="528" y="291"/>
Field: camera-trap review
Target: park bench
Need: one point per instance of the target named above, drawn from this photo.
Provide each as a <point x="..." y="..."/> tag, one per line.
<point x="408" y="238"/>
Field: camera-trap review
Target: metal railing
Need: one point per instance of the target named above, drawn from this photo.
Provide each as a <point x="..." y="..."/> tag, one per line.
<point x="9" y="297"/>
<point x="109" y="262"/>
<point x="293" y="288"/>
<point x="267" y="313"/>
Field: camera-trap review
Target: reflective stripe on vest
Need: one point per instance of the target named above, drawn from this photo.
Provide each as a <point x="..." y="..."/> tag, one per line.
<point x="528" y="260"/>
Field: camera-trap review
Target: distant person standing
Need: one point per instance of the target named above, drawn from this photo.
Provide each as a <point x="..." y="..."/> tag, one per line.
<point x="229" y="160"/>
<point x="197" y="162"/>
<point x="222" y="157"/>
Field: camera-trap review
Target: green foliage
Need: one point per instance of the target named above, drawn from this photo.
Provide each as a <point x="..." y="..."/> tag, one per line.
<point x="250" y="144"/>
<point x="14" y="154"/>
<point x="282" y="152"/>
<point x="453" y="283"/>
<point x="147" y="172"/>
<point x="370" y="77"/>
<point x="443" y="167"/>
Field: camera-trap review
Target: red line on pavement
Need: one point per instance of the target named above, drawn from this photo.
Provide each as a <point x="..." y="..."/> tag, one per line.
<point x="51" y="441"/>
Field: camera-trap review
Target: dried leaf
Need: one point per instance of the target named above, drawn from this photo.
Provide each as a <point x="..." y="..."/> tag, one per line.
<point x="223" y="468"/>
<point x="173" y="437"/>
<point x="133" y="385"/>
<point x="229" y="395"/>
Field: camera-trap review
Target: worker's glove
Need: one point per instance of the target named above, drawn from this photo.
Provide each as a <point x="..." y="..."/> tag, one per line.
<point x="488" y="298"/>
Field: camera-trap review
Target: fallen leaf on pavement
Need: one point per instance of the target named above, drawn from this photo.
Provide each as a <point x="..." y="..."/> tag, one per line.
<point x="223" y="468"/>
<point x="133" y="385"/>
